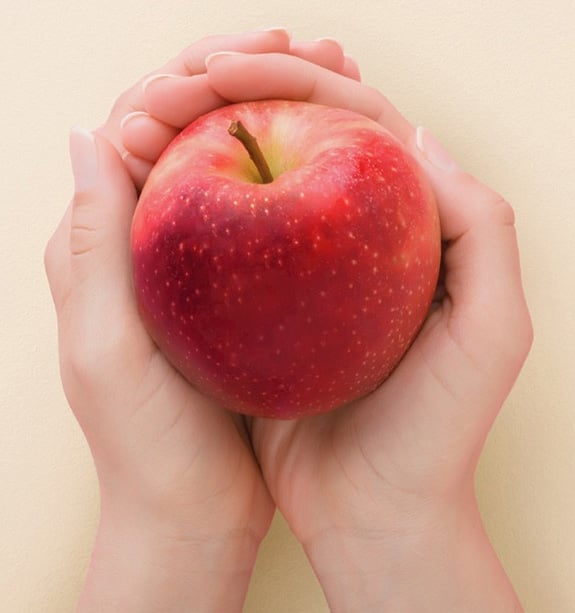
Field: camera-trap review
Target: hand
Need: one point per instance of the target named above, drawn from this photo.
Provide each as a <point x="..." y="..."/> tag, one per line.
<point x="381" y="492"/>
<point x="183" y="505"/>
<point x="148" y="116"/>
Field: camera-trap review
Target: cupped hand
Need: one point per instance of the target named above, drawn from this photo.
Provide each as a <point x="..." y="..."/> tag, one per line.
<point x="385" y="485"/>
<point x="149" y="115"/>
<point x="176" y="471"/>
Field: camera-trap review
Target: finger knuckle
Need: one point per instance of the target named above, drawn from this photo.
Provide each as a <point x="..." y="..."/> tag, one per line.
<point x="125" y="104"/>
<point x="514" y="337"/>
<point x="85" y="227"/>
<point x="490" y="206"/>
<point x="503" y="211"/>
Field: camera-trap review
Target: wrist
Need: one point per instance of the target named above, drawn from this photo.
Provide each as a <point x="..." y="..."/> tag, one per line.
<point x="440" y="561"/>
<point x="136" y="566"/>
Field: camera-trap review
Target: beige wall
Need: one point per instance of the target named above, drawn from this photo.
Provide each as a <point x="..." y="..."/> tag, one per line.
<point x="494" y="79"/>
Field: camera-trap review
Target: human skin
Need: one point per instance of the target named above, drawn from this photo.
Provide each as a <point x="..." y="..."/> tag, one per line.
<point x="379" y="493"/>
<point x="390" y="520"/>
<point x="183" y="503"/>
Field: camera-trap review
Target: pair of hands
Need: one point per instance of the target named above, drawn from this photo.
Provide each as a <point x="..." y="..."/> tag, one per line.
<point x="380" y="494"/>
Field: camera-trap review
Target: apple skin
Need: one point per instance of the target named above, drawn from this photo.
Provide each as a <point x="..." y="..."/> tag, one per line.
<point x="295" y="297"/>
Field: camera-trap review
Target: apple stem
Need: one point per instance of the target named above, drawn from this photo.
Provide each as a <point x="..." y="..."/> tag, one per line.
<point x="239" y="131"/>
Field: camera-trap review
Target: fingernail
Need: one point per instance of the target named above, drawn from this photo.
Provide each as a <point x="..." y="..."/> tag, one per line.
<point x="277" y="29"/>
<point x="84" y="159"/>
<point x="212" y="56"/>
<point x="156" y="77"/>
<point x="434" y="151"/>
<point x="327" y="39"/>
<point x="131" y="116"/>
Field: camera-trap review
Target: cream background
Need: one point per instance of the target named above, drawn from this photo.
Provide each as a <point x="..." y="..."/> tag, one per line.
<point x="494" y="79"/>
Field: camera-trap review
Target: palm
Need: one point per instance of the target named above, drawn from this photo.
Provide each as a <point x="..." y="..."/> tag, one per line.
<point x="165" y="433"/>
<point x="146" y="426"/>
<point x="201" y="472"/>
<point x="375" y="456"/>
<point x="309" y="468"/>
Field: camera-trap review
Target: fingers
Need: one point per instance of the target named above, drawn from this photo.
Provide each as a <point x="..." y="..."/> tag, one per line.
<point x="240" y="77"/>
<point x="138" y="169"/>
<point x="144" y="136"/>
<point x="482" y="268"/>
<point x="178" y="100"/>
<point x="325" y="52"/>
<point x="351" y="69"/>
<point x="103" y="204"/>
<point x="444" y="395"/>
<point x="191" y="61"/>
<point x="171" y="102"/>
<point x="178" y="93"/>
<point x="175" y="100"/>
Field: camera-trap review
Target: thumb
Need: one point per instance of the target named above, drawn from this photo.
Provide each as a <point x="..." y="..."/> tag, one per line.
<point x="100" y="310"/>
<point x="102" y="208"/>
<point x="488" y="313"/>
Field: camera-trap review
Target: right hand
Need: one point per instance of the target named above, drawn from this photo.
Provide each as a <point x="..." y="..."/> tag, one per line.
<point x="150" y="114"/>
<point x="381" y="492"/>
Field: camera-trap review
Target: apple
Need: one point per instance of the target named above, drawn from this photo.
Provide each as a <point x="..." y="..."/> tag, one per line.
<point x="285" y="272"/>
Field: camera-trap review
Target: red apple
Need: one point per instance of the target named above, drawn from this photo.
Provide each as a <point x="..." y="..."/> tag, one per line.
<point x="292" y="297"/>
